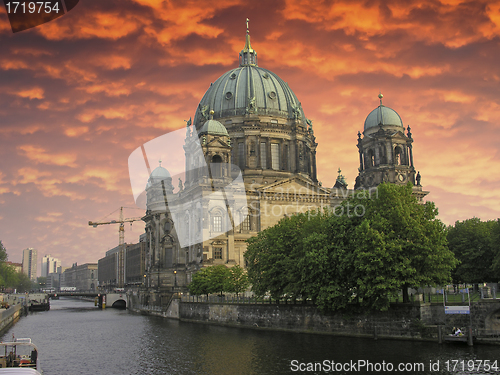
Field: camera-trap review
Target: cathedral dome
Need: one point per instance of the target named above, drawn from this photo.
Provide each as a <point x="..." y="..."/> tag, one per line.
<point x="158" y="174"/>
<point x="249" y="89"/>
<point x="383" y="115"/>
<point x="213" y="127"/>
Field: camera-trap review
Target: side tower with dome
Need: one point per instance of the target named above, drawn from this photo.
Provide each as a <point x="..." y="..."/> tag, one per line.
<point x="386" y="152"/>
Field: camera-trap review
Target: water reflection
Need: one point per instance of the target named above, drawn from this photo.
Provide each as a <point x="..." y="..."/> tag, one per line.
<point x="76" y="338"/>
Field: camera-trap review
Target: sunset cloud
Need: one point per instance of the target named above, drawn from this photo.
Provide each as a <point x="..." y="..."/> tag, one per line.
<point x="34" y="93"/>
<point x="39" y="155"/>
<point x="80" y="93"/>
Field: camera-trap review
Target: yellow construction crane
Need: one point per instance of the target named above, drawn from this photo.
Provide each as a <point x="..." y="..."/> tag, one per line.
<point x="121" y="242"/>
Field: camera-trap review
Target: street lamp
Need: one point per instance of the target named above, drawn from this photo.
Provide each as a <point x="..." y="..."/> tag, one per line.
<point x="175" y="278"/>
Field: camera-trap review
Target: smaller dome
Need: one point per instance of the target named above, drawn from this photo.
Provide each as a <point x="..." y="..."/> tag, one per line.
<point x="383" y="115"/>
<point x="159" y="173"/>
<point x="213" y="127"/>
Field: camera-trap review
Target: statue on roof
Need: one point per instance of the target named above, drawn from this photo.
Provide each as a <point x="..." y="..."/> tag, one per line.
<point x="204" y="112"/>
<point x="340" y="182"/>
<point x="310" y="125"/>
<point x="188" y="129"/>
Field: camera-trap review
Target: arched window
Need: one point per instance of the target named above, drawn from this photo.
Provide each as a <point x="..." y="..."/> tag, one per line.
<point x="398" y="158"/>
<point x="216" y="166"/>
<point x="371" y="158"/>
<point x="216" y="221"/>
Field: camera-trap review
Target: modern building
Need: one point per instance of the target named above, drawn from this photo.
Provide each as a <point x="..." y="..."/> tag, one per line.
<point x="30" y="263"/>
<point x="53" y="281"/>
<point x="83" y="278"/>
<point x="134" y="265"/>
<point x="49" y="265"/>
<point x="251" y="122"/>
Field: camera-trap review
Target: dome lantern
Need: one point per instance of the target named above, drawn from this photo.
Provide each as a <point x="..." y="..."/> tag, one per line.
<point x="248" y="56"/>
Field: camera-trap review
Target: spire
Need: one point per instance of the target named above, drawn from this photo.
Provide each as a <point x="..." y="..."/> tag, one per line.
<point x="248" y="56"/>
<point x="380" y="96"/>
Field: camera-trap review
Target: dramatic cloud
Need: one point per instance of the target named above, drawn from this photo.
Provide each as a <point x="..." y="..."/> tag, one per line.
<point x="80" y="93"/>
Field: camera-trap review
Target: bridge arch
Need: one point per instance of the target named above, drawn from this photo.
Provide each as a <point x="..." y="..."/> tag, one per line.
<point x="119" y="304"/>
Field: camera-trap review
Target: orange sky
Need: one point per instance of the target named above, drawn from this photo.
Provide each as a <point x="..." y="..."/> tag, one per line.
<point x="80" y="93"/>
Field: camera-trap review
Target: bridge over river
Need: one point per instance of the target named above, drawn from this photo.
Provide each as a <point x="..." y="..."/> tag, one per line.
<point x="117" y="300"/>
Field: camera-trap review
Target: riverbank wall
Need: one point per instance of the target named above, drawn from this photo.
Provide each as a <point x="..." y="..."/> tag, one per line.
<point x="9" y="316"/>
<point x="401" y="321"/>
<point x="413" y="321"/>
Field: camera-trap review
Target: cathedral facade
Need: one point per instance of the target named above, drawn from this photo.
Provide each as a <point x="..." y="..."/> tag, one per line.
<point x="250" y="156"/>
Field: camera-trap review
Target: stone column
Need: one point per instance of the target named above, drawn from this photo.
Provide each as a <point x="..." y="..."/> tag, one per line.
<point x="314" y="176"/>
<point x="361" y="166"/>
<point x="257" y="150"/>
<point x="410" y="148"/>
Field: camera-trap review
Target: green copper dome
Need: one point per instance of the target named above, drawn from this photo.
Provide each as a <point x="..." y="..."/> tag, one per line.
<point x="213" y="127"/>
<point x="384" y="116"/>
<point x="249" y="89"/>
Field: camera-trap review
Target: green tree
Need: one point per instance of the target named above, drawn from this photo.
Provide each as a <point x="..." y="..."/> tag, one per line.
<point x="218" y="276"/>
<point x="8" y="276"/>
<point x="495" y="268"/>
<point x="326" y="268"/>
<point x="23" y="284"/>
<point x="6" y="271"/>
<point x="474" y="244"/>
<point x="237" y="281"/>
<point x="210" y="280"/>
<point x="411" y="244"/>
<point x="272" y="258"/>
<point x="368" y="249"/>
<point x="200" y="283"/>
<point x="3" y="253"/>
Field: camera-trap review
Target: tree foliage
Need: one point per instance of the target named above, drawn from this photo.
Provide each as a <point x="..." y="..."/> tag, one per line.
<point x="495" y="268"/>
<point x="368" y="249"/>
<point x="237" y="280"/>
<point x="219" y="279"/>
<point x="200" y="283"/>
<point x="3" y="253"/>
<point x="475" y="245"/>
<point x="9" y="277"/>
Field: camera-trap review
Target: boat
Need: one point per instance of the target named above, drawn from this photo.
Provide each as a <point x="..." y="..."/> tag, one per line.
<point x="19" y="357"/>
<point x="453" y="338"/>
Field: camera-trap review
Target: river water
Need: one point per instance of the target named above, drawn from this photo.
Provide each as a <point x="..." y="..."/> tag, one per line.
<point x="75" y="337"/>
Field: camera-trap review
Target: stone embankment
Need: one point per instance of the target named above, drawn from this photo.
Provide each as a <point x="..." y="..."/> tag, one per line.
<point x="419" y="321"/>
<point x="401" y="321"/>
<point x="10" y="316"/>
